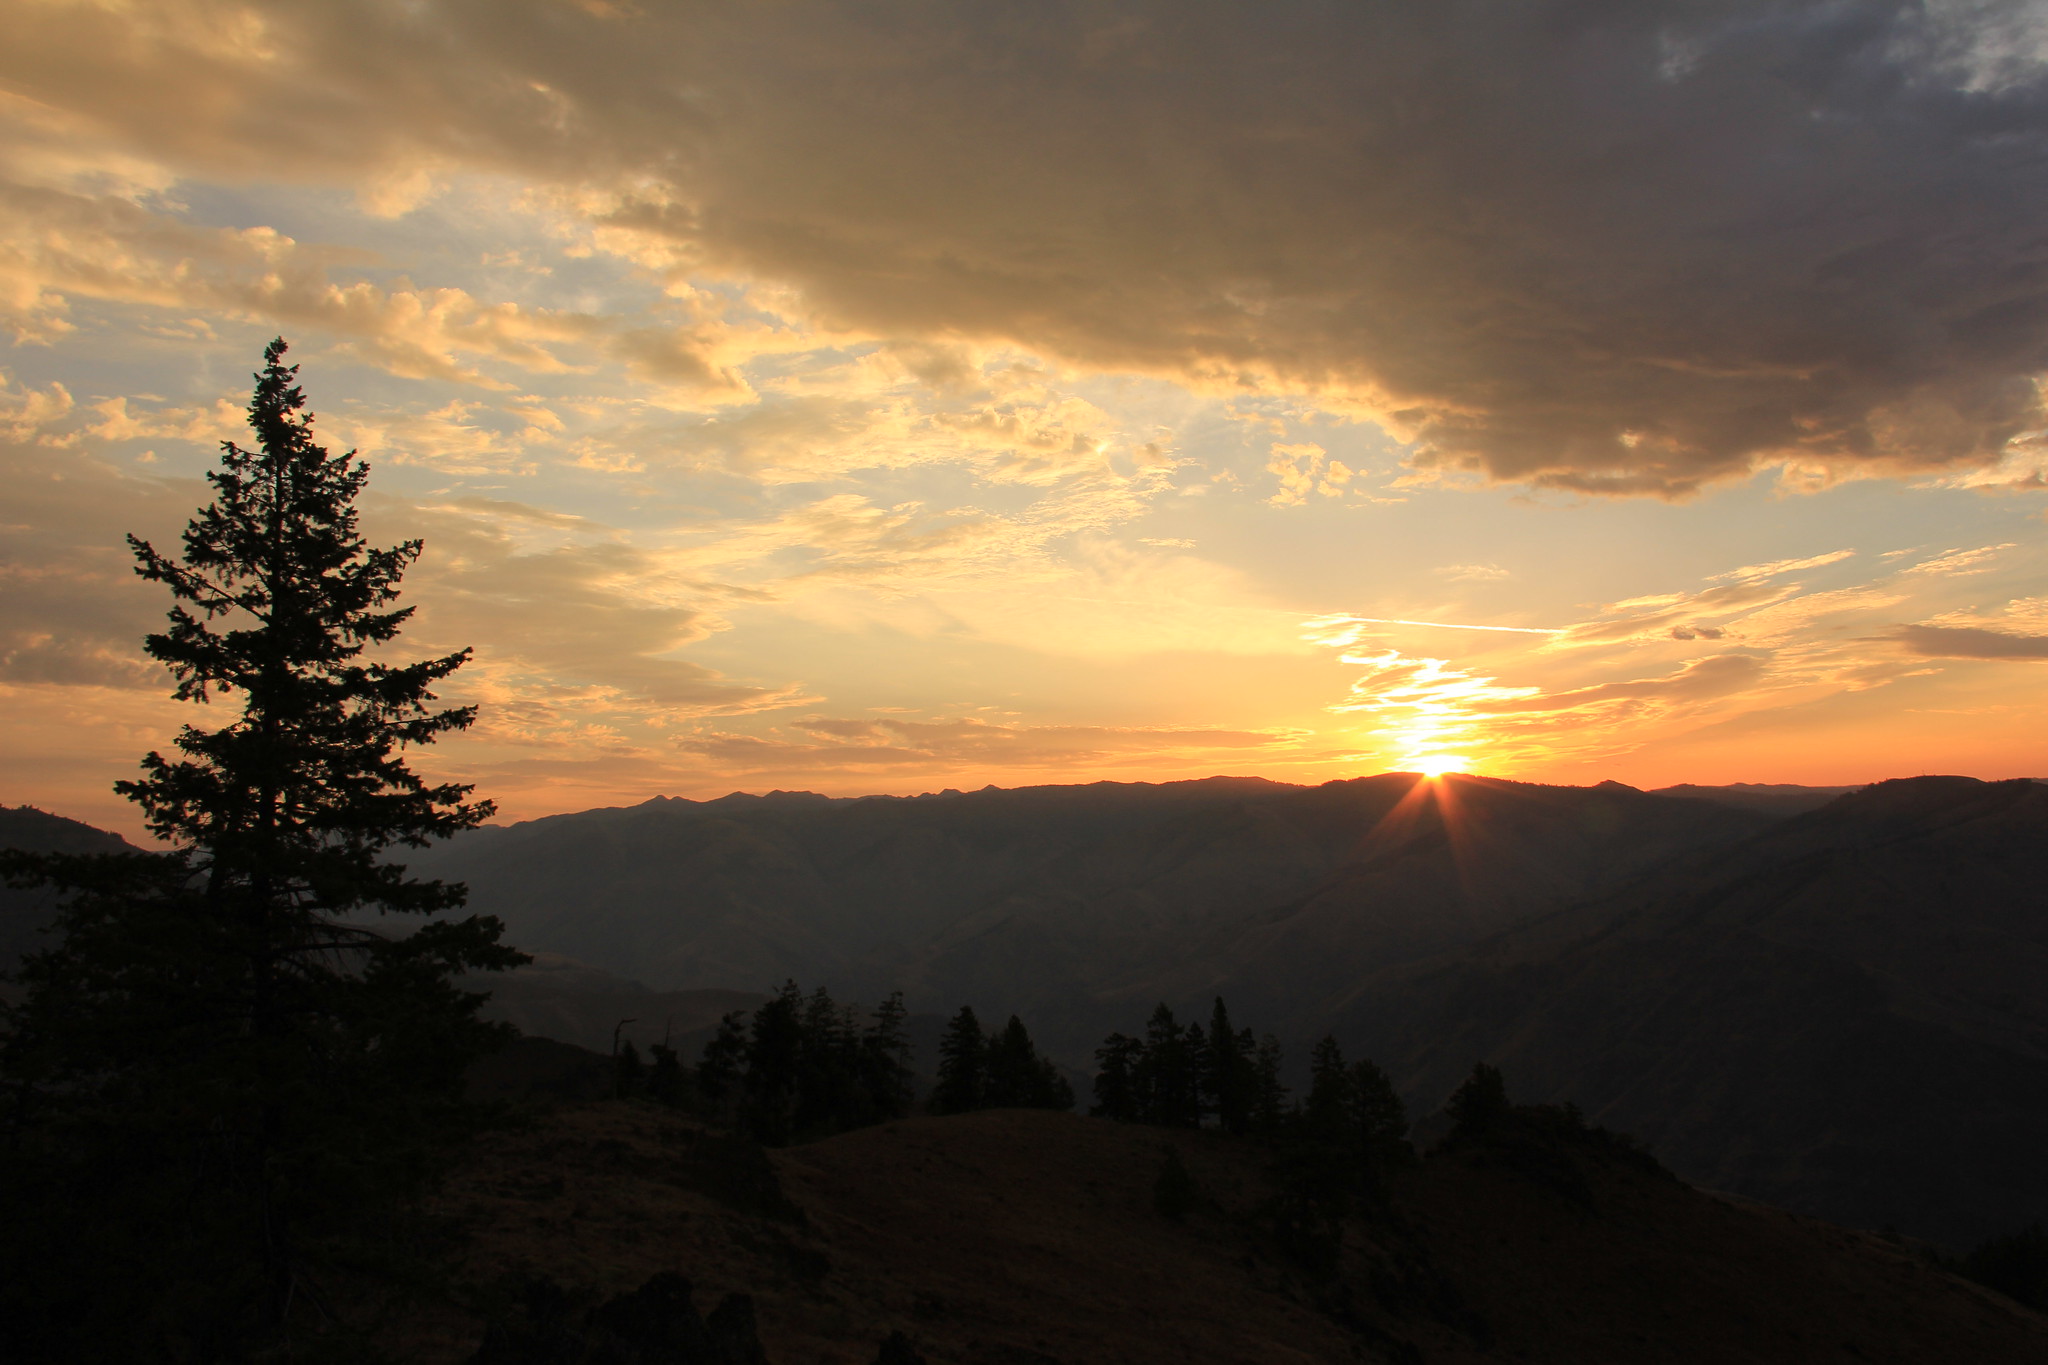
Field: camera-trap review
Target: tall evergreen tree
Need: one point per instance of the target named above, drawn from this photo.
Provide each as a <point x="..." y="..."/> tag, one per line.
<point x="723" y="1063"/>
<point x="829" y="1095"/>
<point x="218" y="1040"/>
<point x="885" y="1059"/>
<point x="1195" y="1044"/>
<point x="1480" y="1105"/>
<point x="629" y="1073"/>
<point x="1165" y="1075"/>
<point x="665" y="1081"/>
<point x="963" y="1066"/>
<point x="1381" y="1120"/>
<point x="774" y="1054"/>
<point x="1116" y="1095"/>
<point x="805" y="1067"/>
<point x="1018" y="1078"/>
<point x="1228" y="1077"/>
<point x="1330" y="1108"/>
<point x="1269" y="1091"/>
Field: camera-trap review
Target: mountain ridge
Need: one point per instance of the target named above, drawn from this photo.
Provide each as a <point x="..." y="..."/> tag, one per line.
<point x="1841" y="1016"/>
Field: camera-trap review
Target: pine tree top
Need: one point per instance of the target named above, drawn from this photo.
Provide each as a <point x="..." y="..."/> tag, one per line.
<point x="277" y="599"/>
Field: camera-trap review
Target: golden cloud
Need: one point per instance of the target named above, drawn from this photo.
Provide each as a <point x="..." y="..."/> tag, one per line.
<point x="1529" y="241"/>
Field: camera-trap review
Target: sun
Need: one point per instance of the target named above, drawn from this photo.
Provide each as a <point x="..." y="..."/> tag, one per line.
<point x="1436" y="765"/>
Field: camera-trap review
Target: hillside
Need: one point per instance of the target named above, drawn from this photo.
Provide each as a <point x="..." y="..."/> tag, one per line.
<point x="23" y="912"/>
<point x="1843" y="1015"/>
<point x="1838" y="1012"/>
<point x="1069" y="905"/>
<point x="1019" y="1236"/>
<point x="572" y="1002"/>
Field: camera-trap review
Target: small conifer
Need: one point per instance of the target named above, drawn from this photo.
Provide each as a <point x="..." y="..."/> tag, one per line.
<point x="1480" y="1105"/>
<point x="963" y="1064"/>
<point x="1115" y="1088"/>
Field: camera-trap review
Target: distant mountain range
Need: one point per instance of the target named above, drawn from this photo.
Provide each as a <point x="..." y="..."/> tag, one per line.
<point x="1076" y="907"/>
<point x="1846" y="1015"/>
<point x="24" y="912"/>
<point x="1835" y="1000"/>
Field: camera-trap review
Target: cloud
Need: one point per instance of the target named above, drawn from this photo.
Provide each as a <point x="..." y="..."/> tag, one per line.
<point x="1664" y="616"/>
<point x="566" y="620"/>
<point x="1970" y="642"/>
<point x="1960" y="562"/>
<point x="1473" y="573"/>
<point x="1305" y="470"/>
<point x="824" y="744"/>
<point x="1636" y="673"/>
<point x="72" y="612"/>
<point x="1617" y="249"/>
<point x="1011" y="423"/>
<point x="1756" y="573"/>
<point x="58" y="246"/>
<point x="1717" y="675"/>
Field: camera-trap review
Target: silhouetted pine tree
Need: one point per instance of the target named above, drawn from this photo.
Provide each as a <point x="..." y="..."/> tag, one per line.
<point x="1165" y="1076"/>
<point x="804" y="1067"/>
<point x="720" y="1069"/>
<point x="1269" y="1091"/>
<point x="774" y="1052"/>
<point x="666" y="1083"/>
<point x="885" y="1060"/>
<point x="1018" y="1078"/>
<point x="1480" y="1105"/>
<point x="1228" y="1076"/>
<point x="1329" y="1110"/>
<point x="963" y="1065"/>
<point x="1116" y="1095"/>
<point x="219" y="1061"/>
<point x="830" y="1096"/>
<point x="1380" y="1119"/>
<point x="1174" y="1076"/>
<point x="1320" y="1165"/>
<point x="629" y="1073"/>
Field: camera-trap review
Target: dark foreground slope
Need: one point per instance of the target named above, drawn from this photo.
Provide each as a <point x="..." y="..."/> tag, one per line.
<point x="1017" y="1236"/>
<point x="1846" y="1015"/>
<point x="1065" y="904"/>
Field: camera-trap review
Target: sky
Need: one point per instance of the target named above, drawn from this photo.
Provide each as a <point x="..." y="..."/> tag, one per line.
<point x="892" y="397"/>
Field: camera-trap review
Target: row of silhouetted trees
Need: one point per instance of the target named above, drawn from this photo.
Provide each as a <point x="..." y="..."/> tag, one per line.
<point x="1332" y="1147"/>
<point x="1185" y="1076"/>
<point x="999" y="1070"/>
<point x="1178" y="1076"/>
<point x="805" y="1066"/>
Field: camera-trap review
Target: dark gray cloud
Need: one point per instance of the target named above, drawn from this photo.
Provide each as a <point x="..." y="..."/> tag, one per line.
<point x="1623" y="248"/>
<point x="1970" y="642"/>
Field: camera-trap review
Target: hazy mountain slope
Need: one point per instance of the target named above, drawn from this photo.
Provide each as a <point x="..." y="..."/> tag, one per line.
<point x="572" y="1002"/>
<point x="1019" y="1236"/>
<point x="1069" y="905"/>
<point x="24" y="911"/>
<point x="1457" y="860"/>
<point x="1771" y="798"/>
<point x="1846" y="1015"/>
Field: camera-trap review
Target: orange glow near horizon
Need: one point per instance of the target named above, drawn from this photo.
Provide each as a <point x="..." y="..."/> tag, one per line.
<point x="716" y="515"/>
